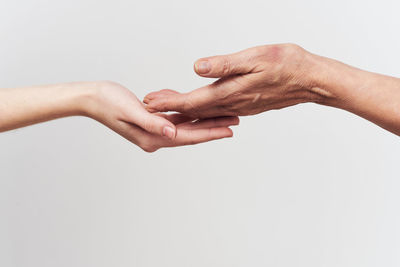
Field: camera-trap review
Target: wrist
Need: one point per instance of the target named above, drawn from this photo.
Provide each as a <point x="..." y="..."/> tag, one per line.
<point x="330" y="81"/>
<point x="86" y="100"/>
<point x="94" y="97"/>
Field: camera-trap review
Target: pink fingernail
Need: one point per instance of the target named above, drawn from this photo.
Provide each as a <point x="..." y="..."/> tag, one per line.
<point x="169" y="132"/>
<point x="203" y="67"/>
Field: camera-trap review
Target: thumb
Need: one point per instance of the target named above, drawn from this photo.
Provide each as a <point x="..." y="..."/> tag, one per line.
<point x="156" y="125"/>
<point x="222" y="66"/>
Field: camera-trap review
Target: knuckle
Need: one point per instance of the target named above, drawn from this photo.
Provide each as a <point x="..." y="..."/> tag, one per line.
<point x="226" y="66"/>
<point x="276" y="53"/>
<point x="294" y="46"/>
<point x="271" y="53"/>
<point x="292" y="49"/>
<point x="149" y="126"/>
<point x="280" y="57"/>
<point x="165" y="105"/>
<point x="189" y="105"/>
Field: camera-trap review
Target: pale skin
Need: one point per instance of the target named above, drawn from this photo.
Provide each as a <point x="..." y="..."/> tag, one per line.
<point x="277" y="76"/>
<point x="112" y="105"/>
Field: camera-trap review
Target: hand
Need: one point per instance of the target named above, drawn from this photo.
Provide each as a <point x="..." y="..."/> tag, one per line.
<point x="251" y="81"/>
<point x="120" y="110"/>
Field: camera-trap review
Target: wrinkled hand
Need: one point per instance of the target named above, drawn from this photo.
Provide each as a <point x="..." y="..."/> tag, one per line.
<point x="120" y="110"/>
<point x="251" y="81"/>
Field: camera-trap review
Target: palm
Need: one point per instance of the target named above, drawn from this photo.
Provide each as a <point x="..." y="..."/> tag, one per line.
<point x="121" y="111"/>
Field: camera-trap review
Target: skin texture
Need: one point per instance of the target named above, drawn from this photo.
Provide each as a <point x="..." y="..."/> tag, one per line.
<point x="112" y="105"/>
<point x="277" y="76"/>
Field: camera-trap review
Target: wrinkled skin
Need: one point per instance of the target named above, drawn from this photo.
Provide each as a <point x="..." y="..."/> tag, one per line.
<point x="251" y="81"/>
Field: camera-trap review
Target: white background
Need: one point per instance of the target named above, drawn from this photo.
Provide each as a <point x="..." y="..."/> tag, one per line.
<point x="304" y="186"/>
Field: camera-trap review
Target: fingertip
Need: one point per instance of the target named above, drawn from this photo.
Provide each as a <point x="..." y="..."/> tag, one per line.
<point x="151" y="110"/>
<point x="202" y="67"/>
<point x="235" y="121"/>
<point x="229" y="132"/>
<point x="169" y="131"/>
<point x="149" y="97"/>
<point x="168" y="128"/>
<point x="222" y="132"/>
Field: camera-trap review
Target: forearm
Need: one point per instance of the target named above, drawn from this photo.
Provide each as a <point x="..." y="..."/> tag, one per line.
<point x="29" y="105"/>
<point x="372" y="96"/>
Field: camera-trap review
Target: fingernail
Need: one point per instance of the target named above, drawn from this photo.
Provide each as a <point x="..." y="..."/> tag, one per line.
<point x="169" y="132"/>
<point x="203" y="67"/>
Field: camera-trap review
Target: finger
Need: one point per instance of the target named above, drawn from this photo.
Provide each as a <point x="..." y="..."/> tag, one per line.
<point x="191" y="137"/>
<point x="176" y="118"/>
<point x="167" y="103"/>
<point x="155" y="124"/>
<point x="211" y="123"/>
<point x="224" y="65"/>
<point x="157" y="94"/>
<point x="188" y="103"/>
<point x="151" y="110"/>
